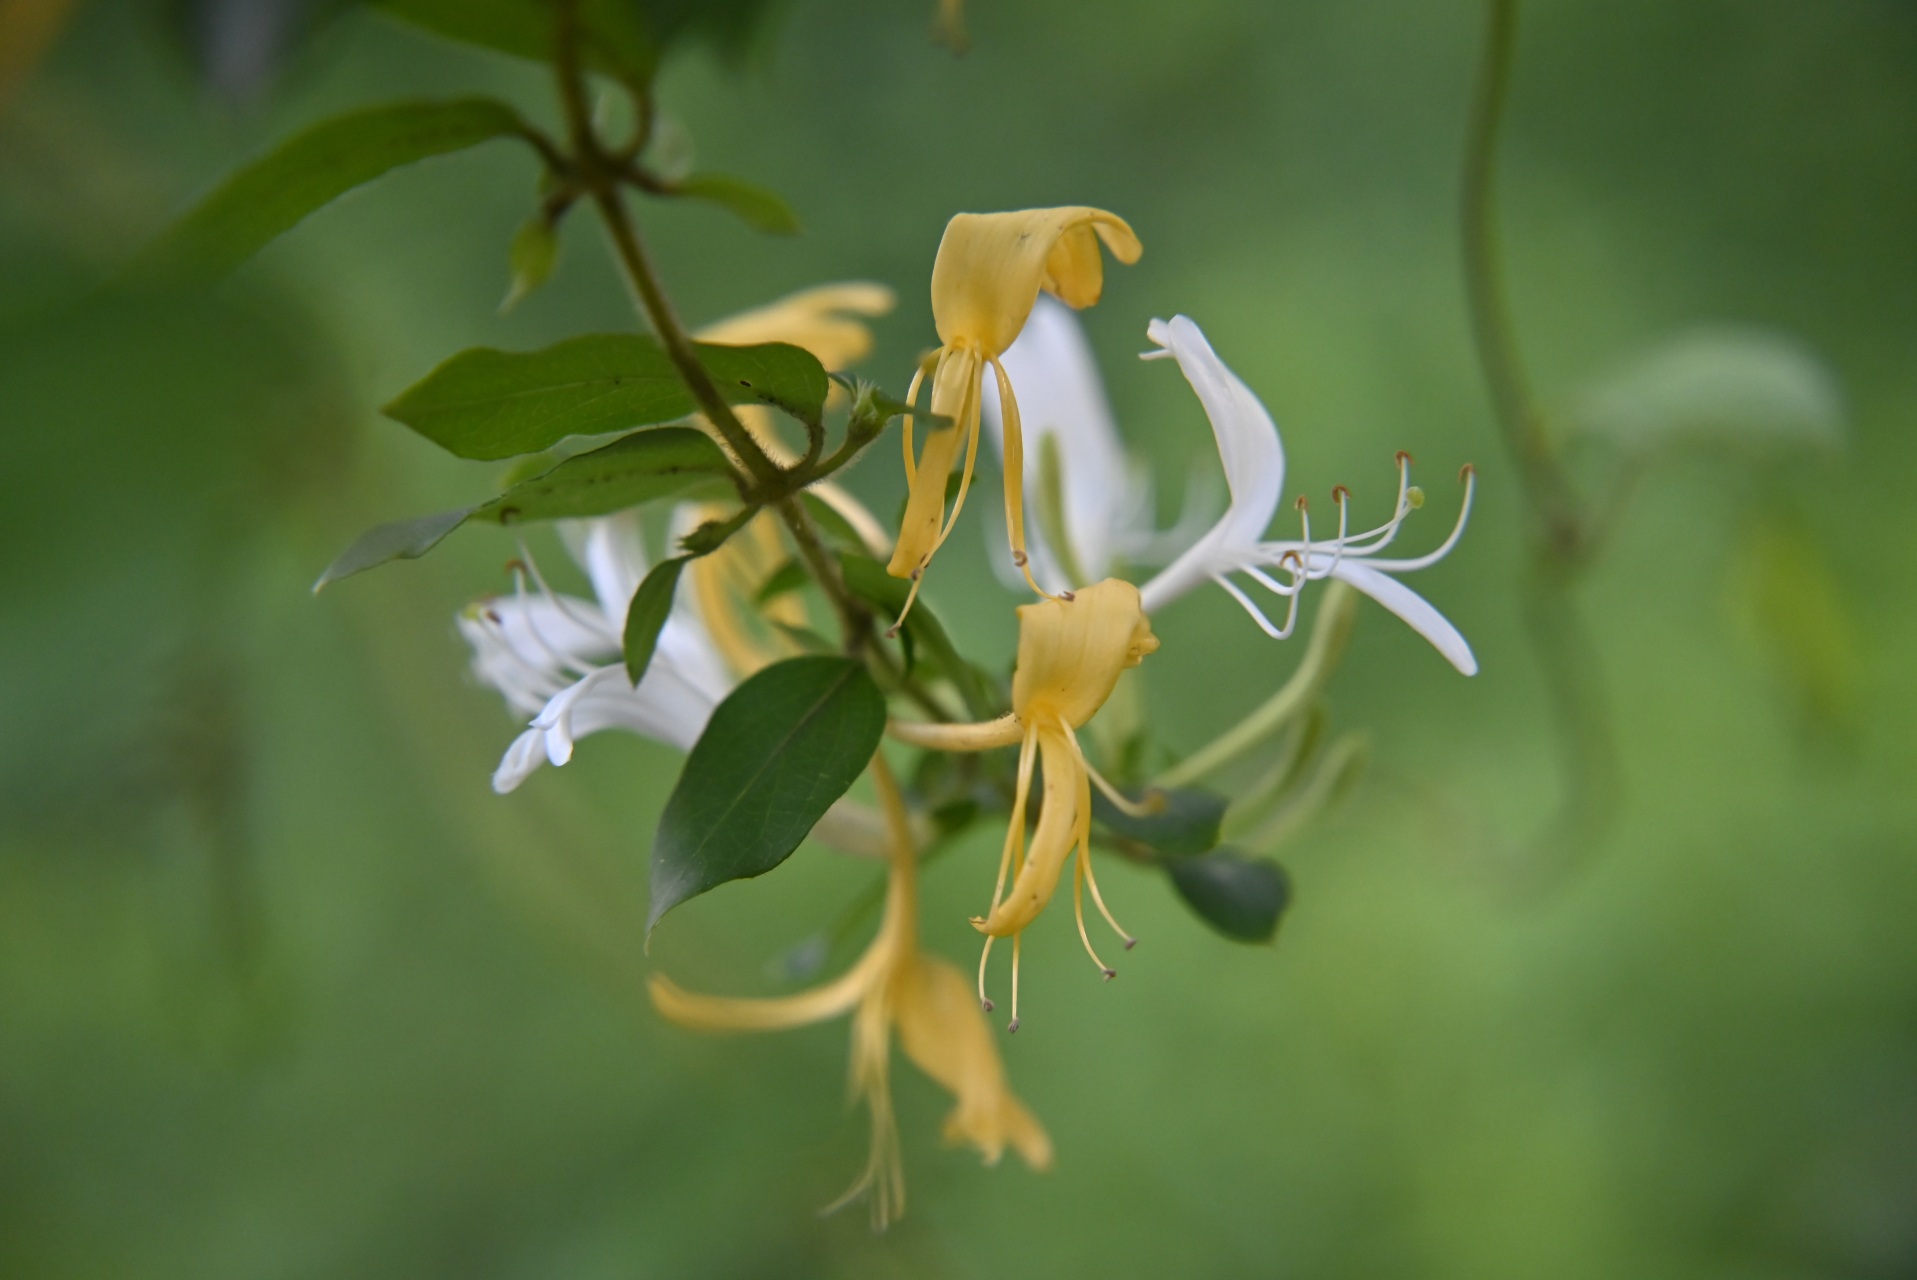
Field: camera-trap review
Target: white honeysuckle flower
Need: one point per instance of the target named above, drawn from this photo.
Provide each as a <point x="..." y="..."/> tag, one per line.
<point x="559" y="659"/>
<point x="1104" y="495"/>
<point x="1254" y="463"/>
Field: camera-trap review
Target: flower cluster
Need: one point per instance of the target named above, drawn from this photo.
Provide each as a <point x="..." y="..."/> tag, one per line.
<point x="1004" y="288"/>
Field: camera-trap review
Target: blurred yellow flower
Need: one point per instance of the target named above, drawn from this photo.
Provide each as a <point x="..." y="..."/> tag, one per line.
<point x="987" y="276"/>
<point x="893" y="985"/>
<point x="1071" y="651"/>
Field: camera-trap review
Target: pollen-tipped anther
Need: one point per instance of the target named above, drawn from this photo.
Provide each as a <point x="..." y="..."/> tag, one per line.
<point x="1109" y="973"/>
<point x="1130" y="943"/>
<point x="1466" y="472"/>
<point x="1303" y="504"/>
<point x="1405" y="459"/>
<point x="1012" y="1027"/>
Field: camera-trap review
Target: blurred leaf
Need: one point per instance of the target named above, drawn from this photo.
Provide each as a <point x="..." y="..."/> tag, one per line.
<point x="1741" y="386"/>
<point x="867" y="579"/>
<point x="612" y="39"/>
<point x="788" y="577"/>
<point x="535" y="249"/>
<point x="635" y="469"/>
<point x="832" y="524"/>
<point x="778" y="751"/>
<point x="269" y="196"/>
<point x="1791" y="600"/>
<point x="489" y="404"/>
<point x="1187" y="826"/>
<point x="399" y="540"/>
<point x="757" y="207"/>
<point x="1243" y="898"/>
<point x="646" y="615"/>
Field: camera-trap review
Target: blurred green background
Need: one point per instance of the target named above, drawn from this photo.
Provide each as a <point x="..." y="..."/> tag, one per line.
<point x="286" y="991"/>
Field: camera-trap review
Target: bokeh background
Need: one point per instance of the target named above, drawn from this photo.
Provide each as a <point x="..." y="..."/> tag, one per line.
<point x="286" y="991"/>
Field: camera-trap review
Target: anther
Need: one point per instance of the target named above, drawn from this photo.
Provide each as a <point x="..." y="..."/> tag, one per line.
<point x="987" y="1005"/>
<point x="1109" y="973"/>
<point x="1465" y="472"/>
<point x="515" y="565"/>
<point x="1301" y="504"/>
<point x="1340" y="494"/>
<point x="1405" y="459"/>
<point x="1068" y="596"/>
<point x="1018" y="558"/>
<point x="916" y="572"/>
<point x="1130" y="943"/>
<point x="892" y="632"/>
<point x="1012" y="1026"/>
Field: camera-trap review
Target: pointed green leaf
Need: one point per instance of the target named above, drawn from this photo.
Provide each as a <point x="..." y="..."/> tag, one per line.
<point x="535" y="249"/>
<point x="400" y="540"/>
<point x="773" y="758"/>
<point x="1240" y="897"/>
<point x="788" y="577"/>
<point x="867" y="579"/>
<point x="489" y="404"/>
<point x="1186" y="825"/>
<point x="612" y="39"/>
<point x="637" y="468"/>
<point x="268" y="197"/>
<point x="757" y="207"/>
<point x="646" y="615"/>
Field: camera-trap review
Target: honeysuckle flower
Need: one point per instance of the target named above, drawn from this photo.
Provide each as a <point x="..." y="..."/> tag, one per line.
<point x="1094" y="513"/>
<point x="894" y="986"/>
<point x="1254" y="463"/>
<point x="989" y="271"/>
<point x="1071" y="651"/>
<point x="559" y="658"/>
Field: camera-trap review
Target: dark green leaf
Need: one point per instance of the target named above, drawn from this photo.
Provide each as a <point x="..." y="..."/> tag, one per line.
<point x="1240" y="897"/>
<point x="832" y="524"/>
<point x="789" y="576"/>
<point x="805" y="637"/>
<point x="776" y="754"/>
<point x="400" y="540"/>
<point x="775" y="373"/>
<point x="612" y="39"/>
<point x="489" y="404"/>
<point x="269" y="196"/>
<point x="637" y="468"/>
<point x="535" y="249"/>
<point x="867" y="579"/>
<point x="758" y="208"/>
<point x="1187" y="825"/>
<point x="646" y="615"/>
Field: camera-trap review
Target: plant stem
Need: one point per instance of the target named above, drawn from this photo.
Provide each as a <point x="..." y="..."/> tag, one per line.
<point x="1561" y="529"/>
<point x="1329" y="633"/>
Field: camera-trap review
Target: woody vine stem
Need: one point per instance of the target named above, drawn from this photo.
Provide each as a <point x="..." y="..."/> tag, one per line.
<point x="1562" y="530"/>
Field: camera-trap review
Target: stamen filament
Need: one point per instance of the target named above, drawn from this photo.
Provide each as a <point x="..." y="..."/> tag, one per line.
<point x="1078" y="909"/>
<point x="1012" y="1027"/>
<point x="1085" y="858"/>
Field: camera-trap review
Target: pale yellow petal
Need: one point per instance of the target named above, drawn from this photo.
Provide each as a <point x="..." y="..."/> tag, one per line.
<point x="818" y="319"/>
<point x="955" y="395"/>
<point x="1071" y="652"/>
<point x="942" y="1029"/>
<point x="1005" y="731"/>
<point x="990" y="267"/>
<point x="1061" y="821"/>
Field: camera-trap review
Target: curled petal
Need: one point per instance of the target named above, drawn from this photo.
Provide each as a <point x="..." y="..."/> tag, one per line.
<point x="1413" y="608"/>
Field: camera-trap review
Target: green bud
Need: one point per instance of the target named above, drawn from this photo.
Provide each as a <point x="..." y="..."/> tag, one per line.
<point x="534" y="250"/>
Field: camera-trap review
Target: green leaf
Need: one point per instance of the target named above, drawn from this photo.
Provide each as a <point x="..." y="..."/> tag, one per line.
<point x="637" y="468"/>
<point x="489" y="404"/>
<point x="535" y="249"/>
<point x="1725" y="384"/>
<point x="612" y="39"/>
<point x="757" y="207"/>
<point x="867" y="579"/>
<point x="646" y="615"/>
<point x="831" y="523"/>
<point x="1240" y="897"/>
<point x="1188" y="824"/>
<point x="788" y="577"/>
<point x="773" y="758"/>
<point x="645" y="465"/>
<point x="400" y="540"/>
<point x="269" y="196"/>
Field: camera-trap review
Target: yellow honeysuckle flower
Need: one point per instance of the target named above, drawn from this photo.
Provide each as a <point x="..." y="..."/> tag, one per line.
<point x="987" y="276"/>
<point x="893" y="985"/>
<point x="725" y="587"/>
<point x="1071" y="651"/>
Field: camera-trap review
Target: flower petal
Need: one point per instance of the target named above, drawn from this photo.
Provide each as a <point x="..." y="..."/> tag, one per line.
<point x="1418" y="612"/>
<point x="521" y="761"/>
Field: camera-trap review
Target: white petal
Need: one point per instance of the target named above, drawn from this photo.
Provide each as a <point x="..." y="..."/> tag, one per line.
<point x="521" y="760"/>
<point x="1249" y="450"/>
<point x="613" y="555"/>
<point x="1413" y="608"/>
<point x="1061" y="395"/>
